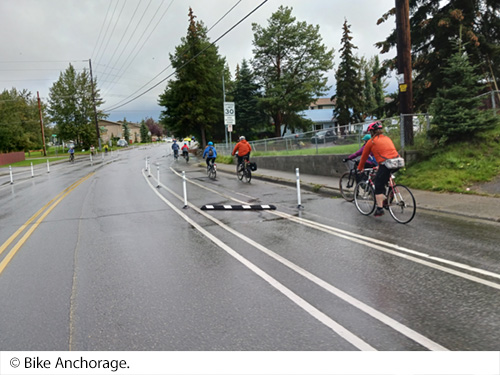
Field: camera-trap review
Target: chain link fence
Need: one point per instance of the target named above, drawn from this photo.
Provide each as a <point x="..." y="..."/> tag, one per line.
<point x="350" y="134"/>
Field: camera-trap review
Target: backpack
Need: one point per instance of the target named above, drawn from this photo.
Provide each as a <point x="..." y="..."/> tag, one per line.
<point x="211" y="152"/>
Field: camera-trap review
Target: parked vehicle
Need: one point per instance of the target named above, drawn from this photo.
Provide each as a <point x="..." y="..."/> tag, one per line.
<point x="122" y="143"/>
<point x="324" y="136"/>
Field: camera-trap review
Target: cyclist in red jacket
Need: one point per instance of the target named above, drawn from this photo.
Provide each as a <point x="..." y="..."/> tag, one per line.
<point x="382" y="148"/>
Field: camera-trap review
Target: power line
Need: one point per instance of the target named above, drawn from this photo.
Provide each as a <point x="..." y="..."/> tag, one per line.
<point x="194" y="57"/>
<point x="143" y="44"/>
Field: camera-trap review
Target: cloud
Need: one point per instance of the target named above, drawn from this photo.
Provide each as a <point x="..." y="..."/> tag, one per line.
<point x="129" y="42"/>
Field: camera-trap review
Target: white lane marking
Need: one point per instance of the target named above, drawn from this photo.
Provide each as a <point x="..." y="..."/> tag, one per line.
<point x="323" y="318"/>
<point x="354" y="237"/>
<point x="404" y="330"/>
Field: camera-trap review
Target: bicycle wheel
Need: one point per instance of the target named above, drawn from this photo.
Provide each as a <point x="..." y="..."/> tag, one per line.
<point x="364" y="198"/>
<point x="247" y="175"/>
<point x="240" y="172"/>
<point x="211" y="172"/>
<point x="402" y="205"/>
<point x="347" y="183"/>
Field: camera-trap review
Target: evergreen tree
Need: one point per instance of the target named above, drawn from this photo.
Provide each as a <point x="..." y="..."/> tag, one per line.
<point x="250" y="120"/>
<point x="71" y="107"/>
<point x="289" y="63"/>
<point x="126" y="130"/>
<point x="193" y="100"/>
<point x="349" y="91"/>
<point x="455" y="110"/>
<point x="369" y="102"/>
<point x="144" y="132"/>
<point x="434" y="26"/>
<point x="379" y="86"/>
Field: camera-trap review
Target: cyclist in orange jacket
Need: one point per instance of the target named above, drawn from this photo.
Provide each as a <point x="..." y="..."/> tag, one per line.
<point x="243" y="149"/>
<point x="382" y="148"/>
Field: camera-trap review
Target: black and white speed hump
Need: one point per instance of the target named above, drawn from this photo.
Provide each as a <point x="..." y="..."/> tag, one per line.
<point x="238" y="207"/>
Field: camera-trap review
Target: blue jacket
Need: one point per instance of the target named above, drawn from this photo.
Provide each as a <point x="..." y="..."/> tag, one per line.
<point x="175" y="146"/>
<point x="207" y="150"/>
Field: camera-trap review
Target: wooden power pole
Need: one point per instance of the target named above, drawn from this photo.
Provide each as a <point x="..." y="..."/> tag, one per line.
<point x="41" y="123"/>
<point x="404" y="70"/>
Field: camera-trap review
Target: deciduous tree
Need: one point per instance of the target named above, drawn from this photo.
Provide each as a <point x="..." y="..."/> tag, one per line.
<point x="290" y="62"/>
<point x="71" y="107"/>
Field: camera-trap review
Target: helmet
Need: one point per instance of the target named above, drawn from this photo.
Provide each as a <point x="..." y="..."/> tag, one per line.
<point x="242" y="138"/>
<point x="175" y="140"/>
<point x="377" y="125"/>
<point x="366" y="137"/>
<point x="185" y="143"/>
<point x="210" y="143"/>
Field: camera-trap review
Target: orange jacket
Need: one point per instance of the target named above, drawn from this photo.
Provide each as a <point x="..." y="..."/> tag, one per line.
<point x="381" y="147"/>
<point x="243" y="148"/>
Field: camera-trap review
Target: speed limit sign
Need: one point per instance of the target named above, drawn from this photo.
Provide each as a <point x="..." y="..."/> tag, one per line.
<point x="229" y="113"/>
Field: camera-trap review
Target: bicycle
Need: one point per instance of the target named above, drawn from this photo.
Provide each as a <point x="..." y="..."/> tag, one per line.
<point x="212" y="170"/>
<point x="176" y="155"/>
<point x="71" y="158"/>
<point x="185" y="155"/>
<point x="347" y="181"/>
<point x="399" y="200"/>
<point x="243" y="171"/>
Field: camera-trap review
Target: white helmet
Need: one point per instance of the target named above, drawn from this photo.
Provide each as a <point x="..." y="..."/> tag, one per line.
<point x="242" y="138"/>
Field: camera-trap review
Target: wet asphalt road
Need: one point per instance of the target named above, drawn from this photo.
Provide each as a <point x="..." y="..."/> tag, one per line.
<point x="120" y="264"/>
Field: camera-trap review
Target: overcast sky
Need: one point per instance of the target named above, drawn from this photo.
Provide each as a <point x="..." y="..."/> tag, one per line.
<point x="129" y="41"/>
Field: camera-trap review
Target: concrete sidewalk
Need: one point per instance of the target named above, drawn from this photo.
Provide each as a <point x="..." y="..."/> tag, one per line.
<point x="469" y="205"/>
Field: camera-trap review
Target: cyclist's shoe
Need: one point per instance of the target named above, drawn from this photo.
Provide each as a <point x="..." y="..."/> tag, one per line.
<point x="379" y="212"/>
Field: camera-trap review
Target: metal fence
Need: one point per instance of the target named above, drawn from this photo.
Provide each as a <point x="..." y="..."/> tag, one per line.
<point x="352" y="133"/>
<point x="327" y="137"/>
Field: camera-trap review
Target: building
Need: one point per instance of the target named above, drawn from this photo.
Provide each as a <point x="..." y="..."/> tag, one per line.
<point x="110" y="129"/>
<point x="320" y="113"/>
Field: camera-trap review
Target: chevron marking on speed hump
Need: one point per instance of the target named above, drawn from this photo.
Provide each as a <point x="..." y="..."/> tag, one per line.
<point x="238" y="207"/>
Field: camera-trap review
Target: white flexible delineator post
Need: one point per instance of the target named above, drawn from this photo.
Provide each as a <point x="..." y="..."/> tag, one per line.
<point x="299" y="203"/>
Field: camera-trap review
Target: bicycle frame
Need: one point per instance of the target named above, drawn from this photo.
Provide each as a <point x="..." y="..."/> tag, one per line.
<point x="399" y="199"/>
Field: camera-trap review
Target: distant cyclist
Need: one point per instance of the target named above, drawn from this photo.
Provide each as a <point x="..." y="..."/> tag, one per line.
<point x="175" y="148"/>
<point x="185" y="151"/>
<point x="382" y="148"/>
<point x="243" y="149"/>
<point x="71" y="153"/>
<point x="210" y="153"/>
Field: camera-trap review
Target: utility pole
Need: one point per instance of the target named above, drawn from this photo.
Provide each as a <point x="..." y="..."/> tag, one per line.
<point x="41" y="123"/>
<point x="404" y="70"/>
<point x="95" y="111"/>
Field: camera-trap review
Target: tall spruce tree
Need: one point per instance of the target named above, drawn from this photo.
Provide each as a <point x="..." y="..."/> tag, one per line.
<point x="455" y="110"/>
<point x="289" y="63"/>
<point x="250" y="119"/>
<point x="193" y="100"/>
<point x="349" y="92"/>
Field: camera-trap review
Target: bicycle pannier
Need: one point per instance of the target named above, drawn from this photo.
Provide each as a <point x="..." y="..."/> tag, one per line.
<point x="395" y="163"/>
<point x="253" y="166"/>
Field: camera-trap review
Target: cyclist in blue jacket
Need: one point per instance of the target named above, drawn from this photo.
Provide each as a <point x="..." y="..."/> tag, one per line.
<point x="175" y="148"/>
<point x="210" y="153"/>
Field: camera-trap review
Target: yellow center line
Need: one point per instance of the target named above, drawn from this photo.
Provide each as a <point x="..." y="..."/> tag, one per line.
<point x="21" y="242"/>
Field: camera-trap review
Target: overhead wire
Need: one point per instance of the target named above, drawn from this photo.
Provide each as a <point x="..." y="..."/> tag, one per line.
<point x="119" y="76"/>
<point x="118" y="105"/>
<point x="121" y="39"/>
<point x="156" y="76"/>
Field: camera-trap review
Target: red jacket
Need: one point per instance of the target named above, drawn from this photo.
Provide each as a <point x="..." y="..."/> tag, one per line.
<point x="381" y="147"/>
<point x="243" y="148"/>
